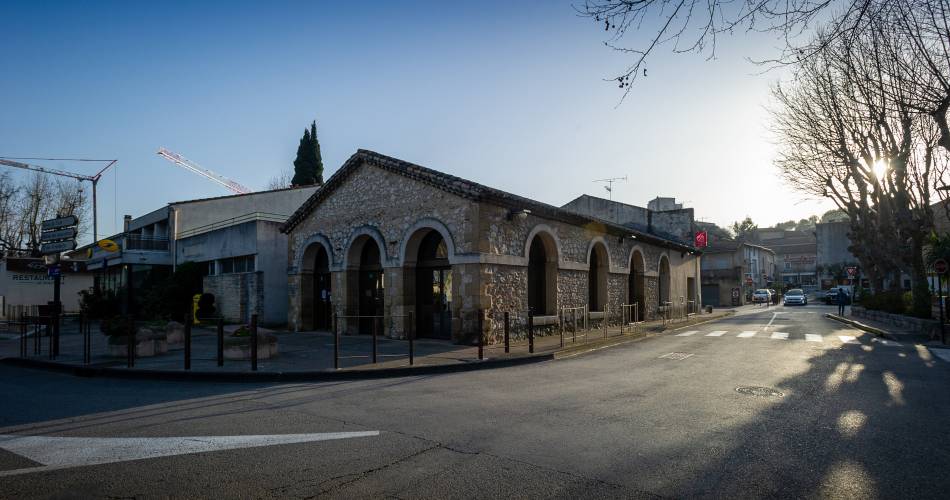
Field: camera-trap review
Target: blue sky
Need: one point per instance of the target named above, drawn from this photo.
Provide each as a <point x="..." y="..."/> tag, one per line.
<point x="509" y="94"/>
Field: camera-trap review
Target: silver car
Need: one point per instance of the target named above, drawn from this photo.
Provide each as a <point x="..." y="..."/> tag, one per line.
<point x="795" y="297"/>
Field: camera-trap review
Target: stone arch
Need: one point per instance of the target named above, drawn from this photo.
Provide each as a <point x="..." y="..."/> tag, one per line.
<point x="663" y="280"/>
<point x="302" y="258"/>
<point x="351" y="254"/>
<point x="598" y="262"/>
<point x="636" y="283"/>
<point x="542" y="253"/>
<point x="593" y="243"/>
<point x="409" y="248"/>
<point x="314" y="263"/>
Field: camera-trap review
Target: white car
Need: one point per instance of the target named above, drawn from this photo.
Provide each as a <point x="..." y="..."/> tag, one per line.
<point x="762" y="296"/>
<point x="795" y="297"/>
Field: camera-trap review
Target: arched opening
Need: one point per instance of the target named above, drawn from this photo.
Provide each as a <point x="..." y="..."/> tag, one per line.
<point x="542" y="276"/>
<point x="365" y="277"/>
<point x="433" y="287"/>
<point x="636" y="289"/>
<point x="664" y="281"/>
<point x="597" y="278"/>
<point x="321" y="290"/>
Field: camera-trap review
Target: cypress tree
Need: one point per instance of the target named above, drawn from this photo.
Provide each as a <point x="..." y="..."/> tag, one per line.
<point x="317" y="157"/>
<point x="303" y="170"/>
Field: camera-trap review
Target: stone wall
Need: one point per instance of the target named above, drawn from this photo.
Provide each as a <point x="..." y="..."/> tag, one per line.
<point x="908" y="323"/>
<point x="237" y="296"/>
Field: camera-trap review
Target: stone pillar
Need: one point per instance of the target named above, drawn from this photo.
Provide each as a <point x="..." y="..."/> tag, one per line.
<point x="651" y="292"/>
<point x="293" y="306"/>
<point x="468" y="297"/>
<point x="396" y="305"/>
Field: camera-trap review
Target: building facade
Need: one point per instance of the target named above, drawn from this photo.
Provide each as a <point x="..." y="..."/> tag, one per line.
<point x="237" y="240"/>
<point x="796" y="254"/>
<point x="732" y="270"/>
<point x="429" y="250"/>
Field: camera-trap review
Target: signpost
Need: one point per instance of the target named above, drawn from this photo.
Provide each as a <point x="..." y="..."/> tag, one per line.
<point x="59" y="235"/>
<point x="940" y="267"/>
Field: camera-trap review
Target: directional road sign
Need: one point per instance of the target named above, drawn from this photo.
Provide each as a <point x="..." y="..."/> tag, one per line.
<point x="60" y="222"/>
<point x="57" y="247"/>
<point x="60" y="234"/>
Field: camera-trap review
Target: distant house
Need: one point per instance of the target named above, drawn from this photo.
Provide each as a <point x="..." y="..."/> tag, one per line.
<point x="796" y="255"/>
<point x="734" y="267"/>
<point x="236" y="238"/>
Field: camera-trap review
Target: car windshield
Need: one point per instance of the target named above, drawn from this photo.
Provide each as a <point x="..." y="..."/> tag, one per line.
<point x="795" y="292"/>
<point x="762" y="291"/>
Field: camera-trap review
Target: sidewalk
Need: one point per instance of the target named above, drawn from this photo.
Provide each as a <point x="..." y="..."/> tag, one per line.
<point x="309" y="355"/>
<point x="889" y="331"/>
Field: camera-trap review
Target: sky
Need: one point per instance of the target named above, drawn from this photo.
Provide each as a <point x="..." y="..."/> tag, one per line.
<point x="508" y="94"/>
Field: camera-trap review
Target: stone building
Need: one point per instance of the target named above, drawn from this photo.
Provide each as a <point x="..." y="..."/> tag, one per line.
<point x="796" y="254"/>
<point x="385" y="237"/>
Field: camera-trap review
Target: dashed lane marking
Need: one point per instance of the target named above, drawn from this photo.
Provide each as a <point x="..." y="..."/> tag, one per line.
<point x="687" y="334"/>
<point x="746" y="335"/>
<point x="813" y="337"/>
<point x="847" y="339"/>
<point x="717" y="333"/>
<point x="885" y="342"/>
<point x="779" y="335"/>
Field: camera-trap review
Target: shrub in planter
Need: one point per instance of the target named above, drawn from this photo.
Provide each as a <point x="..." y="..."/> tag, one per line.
<point x="889" y="302"/>
<point x="206" y="307"/>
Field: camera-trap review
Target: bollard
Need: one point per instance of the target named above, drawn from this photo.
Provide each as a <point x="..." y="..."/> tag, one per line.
<point x="36" y="335"/>
<point x="573" y="326"/>
<point x="560" y="322"/>
<point x="220" y="341"/>
<point x="374" y="340"/>
<point x="254" y="342"/>
<point x="507" y="334"/>
<point x="530" y="334"/>
<point x="131" y="338"/>
<point x="411" y="335"/>
<point x="49" y="336"/>
<point x="188" y="320"/>
<point x="336" y="344"/>
<point x="88" y="332"/>
<point x="23" y="345"/>
<point x="606" y="313"/>
<point x="481" y="336"/>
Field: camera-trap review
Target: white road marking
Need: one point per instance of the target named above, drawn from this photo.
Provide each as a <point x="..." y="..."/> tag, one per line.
<point x="779" y="335"/>
<point x="771" y="320"/>
<point x="888" y="343"/>
<point x="56" y="452"/>
<point x="687" y="334"/>
<point x="717" y="333"/>
<point x="943" y="354"/>
<point x="746" y="334"/>
<point x="847" y="339"/>
<point x="813" y="337"/>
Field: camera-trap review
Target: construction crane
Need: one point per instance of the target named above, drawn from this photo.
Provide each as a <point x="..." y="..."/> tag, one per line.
<point x="94" y="179"/>
<point x="193" y="167"/>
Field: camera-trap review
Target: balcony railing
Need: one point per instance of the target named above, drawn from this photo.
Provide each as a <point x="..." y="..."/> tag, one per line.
<point x="146" y="243"/>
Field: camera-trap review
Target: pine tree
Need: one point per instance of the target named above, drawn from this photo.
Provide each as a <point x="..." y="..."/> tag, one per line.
<point x="303" y="170"/>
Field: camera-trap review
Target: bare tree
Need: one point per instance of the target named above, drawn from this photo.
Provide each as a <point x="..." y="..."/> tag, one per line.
<point x="9" y="218"/>
<point x="24" y="207"/>
<point x="281" y="181"/>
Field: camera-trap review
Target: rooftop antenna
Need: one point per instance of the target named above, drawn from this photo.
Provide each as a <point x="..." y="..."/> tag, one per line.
<point x="610" y="185"/>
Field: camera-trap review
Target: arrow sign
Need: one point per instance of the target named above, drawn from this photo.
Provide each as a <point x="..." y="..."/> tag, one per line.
<point x="69" y="220"/>
<point x="55" y="452"/>
<point x="60" y="234"/>
<point x="57" y="247"/>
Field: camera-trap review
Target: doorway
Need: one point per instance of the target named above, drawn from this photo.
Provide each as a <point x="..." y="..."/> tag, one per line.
<point x="433" y="288"/>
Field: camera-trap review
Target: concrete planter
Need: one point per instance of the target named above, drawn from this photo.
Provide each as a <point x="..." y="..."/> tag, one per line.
<point x="175" y="333"/>
<point x="143" y="349"/>
<point x="266" y="348"/>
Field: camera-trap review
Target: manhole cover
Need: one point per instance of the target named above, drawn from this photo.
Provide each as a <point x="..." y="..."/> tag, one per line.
<point x="676" y="356"/>
<point x="759" y="391"/>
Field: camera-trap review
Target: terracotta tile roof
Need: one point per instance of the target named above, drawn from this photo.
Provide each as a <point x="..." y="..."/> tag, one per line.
<point x="465" y="189"/>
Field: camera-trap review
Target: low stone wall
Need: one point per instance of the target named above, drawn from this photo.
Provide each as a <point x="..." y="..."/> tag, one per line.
<point x="916" y="325"/>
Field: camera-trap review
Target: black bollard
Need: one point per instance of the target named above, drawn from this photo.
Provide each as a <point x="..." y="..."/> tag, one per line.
<point x="220" y="341"/>
<point x="481" y="336"/>
<point x="254" y="342"/>
<point x="188" y="342"/>
<point x="530" y="334"/>
<point x="374" y="340"/>
<point x="507" y="336"/>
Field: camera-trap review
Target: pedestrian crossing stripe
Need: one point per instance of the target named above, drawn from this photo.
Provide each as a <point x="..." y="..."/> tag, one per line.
<point x="847" y="339"/>
<point x="780" y="335"/>
<point x="812" y="337"/>
<point x="687" y="334"/>
<point x="746" y="334"/>
<point x="717" y="333"/>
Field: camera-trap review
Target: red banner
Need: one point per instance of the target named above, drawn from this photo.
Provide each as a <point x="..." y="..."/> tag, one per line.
<point x="700" y="240"/>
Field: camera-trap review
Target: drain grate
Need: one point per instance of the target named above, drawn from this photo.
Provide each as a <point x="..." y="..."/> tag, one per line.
<point x="765" y="392"/>
<point x="676" y="356"/>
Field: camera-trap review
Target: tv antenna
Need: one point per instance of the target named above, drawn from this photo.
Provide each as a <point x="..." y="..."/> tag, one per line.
<point x="610" y="185"/>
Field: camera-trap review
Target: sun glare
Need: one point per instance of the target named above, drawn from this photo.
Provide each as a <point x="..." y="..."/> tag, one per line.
<point x="880" y="167"/>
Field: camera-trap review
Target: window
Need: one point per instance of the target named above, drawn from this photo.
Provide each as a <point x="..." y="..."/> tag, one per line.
<point x="243" y="264"/>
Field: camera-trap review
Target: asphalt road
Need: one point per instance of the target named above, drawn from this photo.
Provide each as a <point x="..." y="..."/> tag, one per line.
<point x="827" y="417"/>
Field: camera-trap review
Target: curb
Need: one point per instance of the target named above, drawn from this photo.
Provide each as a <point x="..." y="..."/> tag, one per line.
<point x="248" y="376"/>
<point x="860" y="326"/>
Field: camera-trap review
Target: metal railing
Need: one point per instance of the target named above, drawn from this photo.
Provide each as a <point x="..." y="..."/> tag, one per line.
<point x="133" y="242"/>
<point x="339" y="320"/>
<point x="233" y="221"/>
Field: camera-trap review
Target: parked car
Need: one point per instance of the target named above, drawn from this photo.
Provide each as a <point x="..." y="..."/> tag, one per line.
<point x="795" y="297"/>
<point x="831" y="296"/>
<point x="762" y="296"/>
